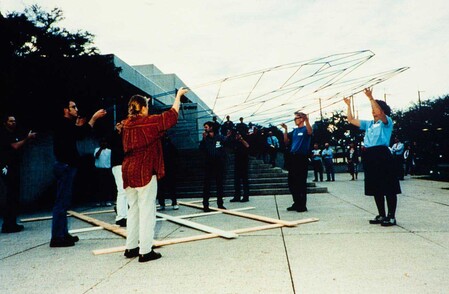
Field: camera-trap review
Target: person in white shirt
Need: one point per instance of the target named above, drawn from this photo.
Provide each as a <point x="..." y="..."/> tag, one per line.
<point x="102" y="156"/>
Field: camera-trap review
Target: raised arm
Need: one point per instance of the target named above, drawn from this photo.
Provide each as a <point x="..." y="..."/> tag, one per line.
<point x="177" y="101"/>
<point x="349" y="115"/>
<point x="20" y="144"/>
<point x="286" y="140"/>
<point x="376" y="108"/>
<point x="308" y="126"/>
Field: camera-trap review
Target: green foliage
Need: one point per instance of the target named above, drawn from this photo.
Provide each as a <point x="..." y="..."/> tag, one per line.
<point x="34" y="32"/>
<point x="427" y="125"/>
<point x="336" y="130"/>
<point x="44" y="64"/>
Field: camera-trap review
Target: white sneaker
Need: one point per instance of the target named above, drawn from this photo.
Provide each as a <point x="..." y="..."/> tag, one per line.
<point x="175" y="207"/>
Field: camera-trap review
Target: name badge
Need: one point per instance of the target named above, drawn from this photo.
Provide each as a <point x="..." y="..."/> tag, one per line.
<point x="218" y="144"/>
<point x="300" y="134"/>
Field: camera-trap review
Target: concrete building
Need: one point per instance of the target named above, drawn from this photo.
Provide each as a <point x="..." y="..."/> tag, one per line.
<point x="37" y="180"/>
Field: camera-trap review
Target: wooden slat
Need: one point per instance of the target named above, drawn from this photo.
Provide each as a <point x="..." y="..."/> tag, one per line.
<point x="33" y="219"/>
<point x="197" y="226"/>
<point x="203" y="237"/>
<point x="245" y="215"/>
<point x="112" y="228"/>
<point x="85" y="230"/>
<point x="206" y="213"/>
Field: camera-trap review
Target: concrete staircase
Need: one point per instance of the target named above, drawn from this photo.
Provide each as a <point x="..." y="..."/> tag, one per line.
<point x="263" y="179"/>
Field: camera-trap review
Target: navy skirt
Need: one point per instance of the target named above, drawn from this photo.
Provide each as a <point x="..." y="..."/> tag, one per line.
<point x="380" y="176"/>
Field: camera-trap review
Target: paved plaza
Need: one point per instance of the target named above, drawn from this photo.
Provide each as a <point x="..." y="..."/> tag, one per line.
<point x="341" y="253"/>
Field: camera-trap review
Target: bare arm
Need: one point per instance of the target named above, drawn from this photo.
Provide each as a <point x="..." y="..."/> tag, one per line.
<point x="349" y="115"/>
<point x="286" y="140"/>
<point x="177" y="101"/>
<point x="99" y="114"/>
<point x="20" y="144"/>
<point x="308" y="126"/>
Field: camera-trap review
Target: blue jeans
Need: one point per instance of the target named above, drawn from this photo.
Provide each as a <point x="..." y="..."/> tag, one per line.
<point x="65" y="175"/>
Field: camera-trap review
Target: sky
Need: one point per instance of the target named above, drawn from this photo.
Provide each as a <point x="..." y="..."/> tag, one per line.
<point x="204" y="41"/>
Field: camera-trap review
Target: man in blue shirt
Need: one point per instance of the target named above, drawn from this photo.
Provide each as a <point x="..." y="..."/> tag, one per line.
<point x="328" y="156"/>
<point x="299" y="142"/>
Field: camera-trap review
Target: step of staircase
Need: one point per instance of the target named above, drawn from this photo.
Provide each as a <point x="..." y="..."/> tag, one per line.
<point x="263" y="179"/>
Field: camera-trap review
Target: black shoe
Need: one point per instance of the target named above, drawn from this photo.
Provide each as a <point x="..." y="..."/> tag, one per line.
<point x="388" y="222"/>
<point x="291" y="208"/>
<point x="207" y="209"/>
<point x="15" y="228"/>
<point x="235" y="199"/>
<point x="130" y="253"/>
<point x="221" y="206"/>
<point x="377" y="220"/>
<point x="315" y="180"/>
<point x="152" y="255"/>
<point x="121" y="222"/>
<point x="302" y="209"/>
<point x="244" y="199"/>
<point x="73" y="238"/>
<point x="61" y="242"/>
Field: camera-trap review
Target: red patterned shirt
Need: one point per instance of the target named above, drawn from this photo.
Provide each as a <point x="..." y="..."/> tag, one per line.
<point x="143" y="148"/>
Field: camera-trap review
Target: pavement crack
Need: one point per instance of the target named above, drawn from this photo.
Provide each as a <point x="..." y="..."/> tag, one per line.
<point x="28" y="249"/>
<point x="285" y="248"/>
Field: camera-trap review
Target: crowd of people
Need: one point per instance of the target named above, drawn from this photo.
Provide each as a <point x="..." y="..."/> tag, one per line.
<point x="141" y="158"/>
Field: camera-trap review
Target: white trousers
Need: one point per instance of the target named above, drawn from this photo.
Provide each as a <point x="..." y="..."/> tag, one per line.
<point x="121" y="202"/>
<point x="141" y="216"/>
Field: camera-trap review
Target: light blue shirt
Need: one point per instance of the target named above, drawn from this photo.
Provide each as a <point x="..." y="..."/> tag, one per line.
<point x="377" y="133"/>
<point x="328" y="153"/>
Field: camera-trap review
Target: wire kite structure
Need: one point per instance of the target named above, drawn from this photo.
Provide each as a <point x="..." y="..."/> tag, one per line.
<point x="271" y="95"/>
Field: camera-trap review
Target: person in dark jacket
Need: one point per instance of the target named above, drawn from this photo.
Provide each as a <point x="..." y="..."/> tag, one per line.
<point x="212" y="147"/>
<point x="12" y="142"/>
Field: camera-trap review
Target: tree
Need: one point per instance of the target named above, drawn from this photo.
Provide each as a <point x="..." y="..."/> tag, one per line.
<point x="43" y="64"/>
<point x="427" y="125"/>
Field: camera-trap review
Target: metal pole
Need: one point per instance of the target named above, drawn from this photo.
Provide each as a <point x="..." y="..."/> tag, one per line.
<point x="321" y="110"/>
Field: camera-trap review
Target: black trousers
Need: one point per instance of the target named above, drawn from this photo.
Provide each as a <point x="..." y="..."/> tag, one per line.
<point x="214" y="169"/>
<point x="12" y="183"/>
<point x="241" y="178"/>
<point x="297" y="180"/>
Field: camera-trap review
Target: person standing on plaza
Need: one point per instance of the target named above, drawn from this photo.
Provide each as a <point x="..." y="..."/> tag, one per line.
<point x="317" y="163"/>
<point x="380" y="177"/>
<point x="167" y="185"/>
<point x="242" y="128"/>
<point x="241" y="163"/>
<point x="273" y="146"/>
<point x="68" y="129"/>
<point x="299" y="142"/>
<point x="214" y="152"/>
<point x="353" y="161"/>
<point x="103" y="172"/>
<point x="117" y="156"/>
<point x="142" y="167"/>
<point x="398" y="156"/>
<point x="227" y="125"/>
<point x="216" y="124"/>
<point x="409" y="158"/>
<point x="328" y="157"/>
<point x="12" y="143"/>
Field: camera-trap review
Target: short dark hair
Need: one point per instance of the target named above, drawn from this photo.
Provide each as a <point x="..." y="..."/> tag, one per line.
<point x="209" y="124"/>
<point x="385" y="108"/>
